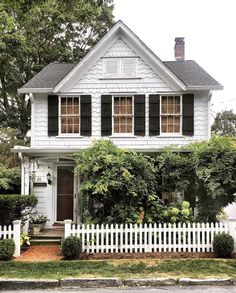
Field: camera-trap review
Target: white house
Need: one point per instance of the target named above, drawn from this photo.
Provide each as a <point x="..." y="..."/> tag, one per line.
<point x="120" y="91"/>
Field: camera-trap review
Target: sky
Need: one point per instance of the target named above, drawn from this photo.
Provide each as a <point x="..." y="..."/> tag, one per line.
<point x="209" y="29"/>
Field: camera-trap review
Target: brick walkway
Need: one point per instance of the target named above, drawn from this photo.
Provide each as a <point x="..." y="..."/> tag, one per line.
<point x="41" y="253"/>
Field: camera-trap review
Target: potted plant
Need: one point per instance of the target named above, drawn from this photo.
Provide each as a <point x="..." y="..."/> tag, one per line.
<point x="24" y="241"/>
<point x="38" y="223"/>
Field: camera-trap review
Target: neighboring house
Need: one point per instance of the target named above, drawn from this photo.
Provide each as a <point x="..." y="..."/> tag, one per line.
<point x="119" y="91"/>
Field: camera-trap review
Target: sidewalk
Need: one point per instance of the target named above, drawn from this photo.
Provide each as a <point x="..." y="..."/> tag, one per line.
<point x="41" y="253"/>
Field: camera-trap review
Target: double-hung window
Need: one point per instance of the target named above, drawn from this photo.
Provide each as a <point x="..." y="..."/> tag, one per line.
<point x="69" y="115"/>
<point x="123" y="115"/>
<point x="171" y="114"/>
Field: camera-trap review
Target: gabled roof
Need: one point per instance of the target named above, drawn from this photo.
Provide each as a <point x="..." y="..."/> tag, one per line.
<point x="48" y="77"/>
<point x="192" y="74"/>
<point x="181" y="75"/>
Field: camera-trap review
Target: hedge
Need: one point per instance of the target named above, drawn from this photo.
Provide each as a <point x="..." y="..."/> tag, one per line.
<point x="15" y="207"/>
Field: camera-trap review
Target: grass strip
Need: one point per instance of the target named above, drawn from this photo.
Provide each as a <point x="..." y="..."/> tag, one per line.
<point x="179" y="268"/>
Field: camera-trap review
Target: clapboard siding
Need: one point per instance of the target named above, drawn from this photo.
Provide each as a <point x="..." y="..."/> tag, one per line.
<point x="92" y="84"/>
<point x="41" y="139"/>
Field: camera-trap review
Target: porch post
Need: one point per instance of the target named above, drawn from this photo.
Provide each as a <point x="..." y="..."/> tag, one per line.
<point x="232" y="231"/>
<point x="16" y="236"/>
<point x="67" y="228"/>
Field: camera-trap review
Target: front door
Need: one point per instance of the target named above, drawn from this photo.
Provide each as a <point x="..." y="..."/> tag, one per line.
<point x="65" y="191"/>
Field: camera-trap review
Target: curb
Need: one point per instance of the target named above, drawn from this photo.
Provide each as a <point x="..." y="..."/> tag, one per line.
<point x="150" y="282"/>
<point x="211" y="282"/>
<point x="28" y="284"/>
<point x="74" y="283"/>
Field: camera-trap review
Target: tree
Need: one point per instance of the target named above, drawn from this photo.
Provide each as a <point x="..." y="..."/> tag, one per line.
<point x="224" y="124"/>
<point x="9" y="162"/>
<point x="35" y="33"/>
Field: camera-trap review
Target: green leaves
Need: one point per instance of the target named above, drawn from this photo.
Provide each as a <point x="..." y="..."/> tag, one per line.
<point x="35" y="33"/>
<point x="116" y="182"/>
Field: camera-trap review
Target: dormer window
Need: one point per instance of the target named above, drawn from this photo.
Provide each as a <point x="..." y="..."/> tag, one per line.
<point x="119" y="67"/>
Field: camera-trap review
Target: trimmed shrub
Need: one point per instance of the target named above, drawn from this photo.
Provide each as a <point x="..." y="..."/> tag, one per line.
<point x="71" y="247"/>
<point x="223" y="245"/>
<point x="7" y="248"/>
<point x="15" y="207"/>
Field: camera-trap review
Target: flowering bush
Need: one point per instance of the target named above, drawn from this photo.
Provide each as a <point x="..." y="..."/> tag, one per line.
<point x="40" y="219"/>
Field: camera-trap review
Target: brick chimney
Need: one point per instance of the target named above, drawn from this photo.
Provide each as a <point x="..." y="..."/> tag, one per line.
<point x="179" y="49"/>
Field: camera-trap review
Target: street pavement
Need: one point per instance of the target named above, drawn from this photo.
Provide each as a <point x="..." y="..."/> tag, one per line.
<point x="199" y="289"/>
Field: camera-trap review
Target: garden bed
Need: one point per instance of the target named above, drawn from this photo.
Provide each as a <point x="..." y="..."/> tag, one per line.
<point x="147" y="255"/>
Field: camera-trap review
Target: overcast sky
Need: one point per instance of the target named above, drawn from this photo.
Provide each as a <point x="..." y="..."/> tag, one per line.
<point x="209" y="28"/>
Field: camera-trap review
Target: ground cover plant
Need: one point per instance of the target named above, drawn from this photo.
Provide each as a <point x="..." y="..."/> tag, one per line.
<point x="195" y="268"/>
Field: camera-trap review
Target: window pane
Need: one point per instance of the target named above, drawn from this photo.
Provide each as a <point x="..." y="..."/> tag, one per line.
<point x="70" y="115"/>
<point x="170" y="107"/>
<point x="63" y="128"/>
<point x="164" y="105"/>
<point x="129" y="125"/>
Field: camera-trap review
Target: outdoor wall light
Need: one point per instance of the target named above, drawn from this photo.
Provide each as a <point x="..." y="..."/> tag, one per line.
<point x="49" y="178"/>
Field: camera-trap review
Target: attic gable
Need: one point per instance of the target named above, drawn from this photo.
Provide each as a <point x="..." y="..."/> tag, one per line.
<point x="120" y="51"/>
<point x="119" y="30"/>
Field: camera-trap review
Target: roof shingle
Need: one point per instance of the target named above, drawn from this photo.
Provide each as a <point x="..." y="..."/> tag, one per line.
<point x="50" y="75"/>
<point x="189" y="72"/>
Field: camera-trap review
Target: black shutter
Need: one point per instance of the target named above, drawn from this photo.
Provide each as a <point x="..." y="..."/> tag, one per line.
<point x="188" y="114"/>
<point x="139" y="115"/>
<point x="106" y="115"/>
<point x="154" y="115"/>
<point x="52" y="115"/>
<point x="85" y="115"/>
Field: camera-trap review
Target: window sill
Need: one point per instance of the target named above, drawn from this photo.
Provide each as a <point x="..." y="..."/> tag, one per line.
<point x="69" y="136"/>
<point x="123" y="136"/>
<point x="120" y="78"/>
<point x="171" y="135"/>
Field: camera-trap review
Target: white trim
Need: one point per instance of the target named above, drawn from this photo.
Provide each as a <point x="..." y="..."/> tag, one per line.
<point x="34" y="90"/>
<point x="127" y="134"/>
<point x="204" y="87"/>
<point x="172" y="134"/>
<point x="119" y="30"/>
<point x="61" y="135"/>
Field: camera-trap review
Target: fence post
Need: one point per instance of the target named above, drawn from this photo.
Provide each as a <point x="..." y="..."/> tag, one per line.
<point x="67" y="228"/>
<point x="232" y="231"/>
<point x="16" y="236"/>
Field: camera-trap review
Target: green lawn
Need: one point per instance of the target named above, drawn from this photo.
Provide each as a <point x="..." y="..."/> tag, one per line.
<point x="195" y="268"/>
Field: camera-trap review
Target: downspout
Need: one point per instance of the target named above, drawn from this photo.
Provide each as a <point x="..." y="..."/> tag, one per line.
<point x="209" y="113"/>
<point x="31" y="97"/>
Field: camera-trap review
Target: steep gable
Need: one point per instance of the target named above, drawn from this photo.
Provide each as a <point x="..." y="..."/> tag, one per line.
<point x="146" y="79"/>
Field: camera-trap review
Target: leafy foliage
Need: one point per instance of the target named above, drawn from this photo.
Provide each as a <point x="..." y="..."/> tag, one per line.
<point x="224" y="123"/>
<point x="71" y="247"/>
<point x="35" y="33"/>
<point x="7" y="249"/>
<point x="223" y="245"/>
<point x="9" y="162"/>
<point x="215" y="176"/>
<point x="119" y="186"/>
<point x="15" y="207"/>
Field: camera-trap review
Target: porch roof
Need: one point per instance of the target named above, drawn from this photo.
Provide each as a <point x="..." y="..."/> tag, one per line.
<point x="57" y="151"/>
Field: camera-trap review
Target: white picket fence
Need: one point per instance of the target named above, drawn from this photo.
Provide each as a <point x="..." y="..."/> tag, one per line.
<point x="194" y="237"/>
<point x="12" y="232"/>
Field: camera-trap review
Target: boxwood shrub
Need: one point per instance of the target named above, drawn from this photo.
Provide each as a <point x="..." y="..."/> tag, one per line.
<point x="223" y="245"/>
<point x="71" y="247"/>
<point x="15" y="207"/>
<point x="7" y="248"/>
